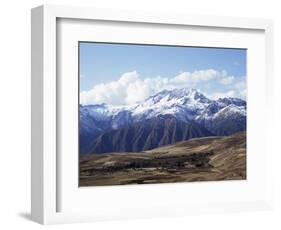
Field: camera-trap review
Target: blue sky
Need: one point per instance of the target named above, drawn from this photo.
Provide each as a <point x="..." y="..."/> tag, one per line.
<point x="103" y="64"/>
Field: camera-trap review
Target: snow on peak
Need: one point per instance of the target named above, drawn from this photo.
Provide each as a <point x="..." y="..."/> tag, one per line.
<point x="181" y="95"/>
<point x="221" y="117"/>
<point x="231" y="110"/>
<point x="184" y="104"/>
<point x="232" y="100"/>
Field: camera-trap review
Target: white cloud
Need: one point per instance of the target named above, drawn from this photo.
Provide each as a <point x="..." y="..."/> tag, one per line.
<point x="238" y="89"/>
<point x="241" y="89"/>
<point x="196" y="76"/>
<point x="227" y="80"/>
<point x="114" y="92"/>
<point x="130" y="88"/>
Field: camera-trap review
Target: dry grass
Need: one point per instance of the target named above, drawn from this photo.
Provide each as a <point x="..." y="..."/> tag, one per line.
<point x="199" y="159"/>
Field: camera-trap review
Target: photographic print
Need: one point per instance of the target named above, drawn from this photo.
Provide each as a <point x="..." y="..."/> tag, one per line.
<point x="161" y="114"/>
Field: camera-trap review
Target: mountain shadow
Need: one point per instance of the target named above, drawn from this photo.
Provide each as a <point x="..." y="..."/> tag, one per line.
<point x="146" y="135"/>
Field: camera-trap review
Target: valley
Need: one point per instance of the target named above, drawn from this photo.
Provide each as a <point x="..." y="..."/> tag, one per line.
<point x="210" y="158"/>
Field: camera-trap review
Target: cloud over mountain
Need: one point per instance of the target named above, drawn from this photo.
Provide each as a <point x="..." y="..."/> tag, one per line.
<point x="130" y="88"/>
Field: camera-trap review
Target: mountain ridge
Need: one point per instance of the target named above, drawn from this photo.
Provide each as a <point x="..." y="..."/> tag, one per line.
<point x="223" y="116"/>
<point x="147" y="135"/>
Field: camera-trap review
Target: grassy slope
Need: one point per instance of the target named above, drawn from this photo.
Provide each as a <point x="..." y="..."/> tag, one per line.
<point x="199" y="159"/>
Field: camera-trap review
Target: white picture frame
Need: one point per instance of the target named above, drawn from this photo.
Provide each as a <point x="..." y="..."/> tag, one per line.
<point x="46" y="180"/>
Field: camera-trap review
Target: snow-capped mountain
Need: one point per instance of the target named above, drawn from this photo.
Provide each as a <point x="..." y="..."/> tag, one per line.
<point x="224" y="116"/>
<point x="180" y="103"/>
<point x="219" y="117"/>
<point x="183" y="104"/>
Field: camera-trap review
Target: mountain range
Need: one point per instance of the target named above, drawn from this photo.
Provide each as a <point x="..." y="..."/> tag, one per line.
<point x="164" y="118"/>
